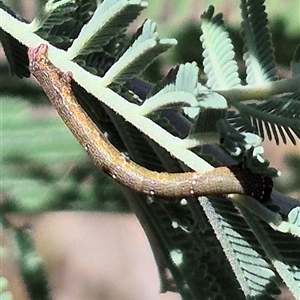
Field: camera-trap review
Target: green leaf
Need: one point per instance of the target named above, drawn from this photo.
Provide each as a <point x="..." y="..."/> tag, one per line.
<point x="61" y="23"/>
<point x="139" y="55"/>
<point x="259" y="52"/>
<point x="243" y="251"/>
<point x="283" y="251"/>
<point x="219" y="64"/>
<point x="278" y="117"/>
<point x="177" y="89"/>
<point x="110" y="19"/>
<point x="55" y="12"/>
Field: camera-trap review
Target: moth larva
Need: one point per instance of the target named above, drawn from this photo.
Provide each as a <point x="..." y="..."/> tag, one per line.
<point x="220" y="181"/>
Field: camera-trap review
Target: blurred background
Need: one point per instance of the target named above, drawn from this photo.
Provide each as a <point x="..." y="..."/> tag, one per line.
<point x="103" y="253"/>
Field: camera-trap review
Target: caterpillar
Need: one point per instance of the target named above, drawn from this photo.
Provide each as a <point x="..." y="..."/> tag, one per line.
<point x="220" y="181"/>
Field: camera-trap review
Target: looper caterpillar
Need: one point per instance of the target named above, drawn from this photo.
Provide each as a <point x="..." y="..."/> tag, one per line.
<point x="222" y="180"/>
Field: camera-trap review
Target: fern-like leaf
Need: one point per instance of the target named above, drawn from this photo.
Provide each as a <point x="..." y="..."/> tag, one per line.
<point x="177" y="89"/>
<point x="219" y="64"/>
<point x="109" y="20"/>
<point x="282" y="249"/>
<point x="55" y="12"/>
<point x="60" y="23"/>
<point x="277" y="118"/>
<point x="259" y="55"/>
<point x="137" y="57"/>
<point x="242" y="250"/>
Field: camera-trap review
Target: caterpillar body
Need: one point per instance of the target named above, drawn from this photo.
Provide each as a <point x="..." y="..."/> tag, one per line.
<point x="220" y="181"/>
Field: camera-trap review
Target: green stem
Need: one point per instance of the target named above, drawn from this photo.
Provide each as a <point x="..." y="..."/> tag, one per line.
<point x="261" y="91"/>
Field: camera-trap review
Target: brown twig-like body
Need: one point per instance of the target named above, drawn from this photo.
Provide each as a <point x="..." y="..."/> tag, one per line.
<point x="222" y="180"/>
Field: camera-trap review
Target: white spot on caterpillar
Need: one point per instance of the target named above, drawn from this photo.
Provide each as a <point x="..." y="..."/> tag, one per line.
<point x="114" y="176"/>
<point x="192" y="190"/>
<point x="152" y="193"/>
<point x="183" y="201"/>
